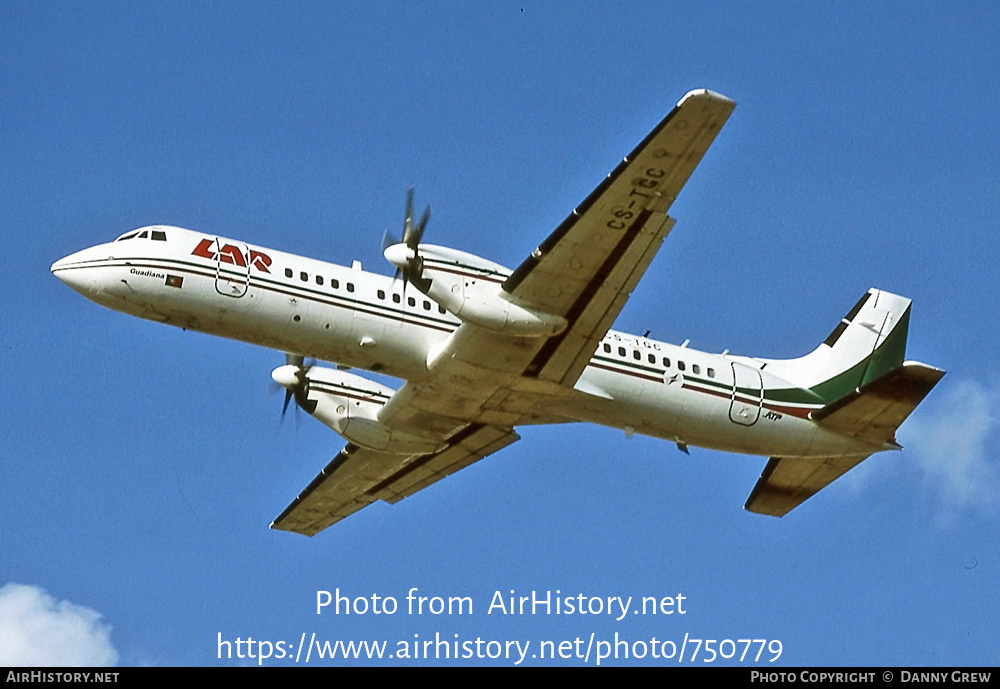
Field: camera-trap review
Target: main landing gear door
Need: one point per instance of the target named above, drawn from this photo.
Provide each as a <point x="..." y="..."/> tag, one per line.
<point x="232" y="269"/>
<point x="748" y="394"/>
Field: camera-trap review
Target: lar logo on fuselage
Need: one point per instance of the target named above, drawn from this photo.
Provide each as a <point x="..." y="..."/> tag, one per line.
<point x="232" y="254"/>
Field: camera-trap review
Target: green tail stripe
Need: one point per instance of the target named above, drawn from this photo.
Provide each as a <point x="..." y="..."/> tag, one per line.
<point x="887" y="357"/>
<point x="892" y="352"/>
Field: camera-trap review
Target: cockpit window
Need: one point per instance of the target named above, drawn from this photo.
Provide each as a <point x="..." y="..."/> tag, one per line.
<point x="155" y="235"/>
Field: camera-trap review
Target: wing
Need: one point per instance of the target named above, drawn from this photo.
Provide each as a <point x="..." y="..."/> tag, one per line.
<point x="586" y="269"/>
<point x="358" y="477"/>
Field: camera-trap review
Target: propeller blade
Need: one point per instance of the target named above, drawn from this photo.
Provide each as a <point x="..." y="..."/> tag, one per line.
<point x="409" y="265"/>
<point x="408" y="219"/>
<point x="293" y="377"/>
<point x="419" y="232"/>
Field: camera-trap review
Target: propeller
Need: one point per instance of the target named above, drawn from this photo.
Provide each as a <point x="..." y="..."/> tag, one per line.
<point x="293" y="377"/>
<point x="407" y="260"/>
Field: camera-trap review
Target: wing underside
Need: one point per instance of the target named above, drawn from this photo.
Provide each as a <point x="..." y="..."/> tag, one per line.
<point x="358" y="477"/>
<point x="586" y="269"/>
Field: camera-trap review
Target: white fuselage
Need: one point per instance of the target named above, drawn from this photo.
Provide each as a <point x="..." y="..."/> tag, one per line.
<point x="365" y="320"/>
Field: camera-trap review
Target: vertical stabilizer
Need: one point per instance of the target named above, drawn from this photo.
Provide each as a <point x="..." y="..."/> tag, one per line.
<point x="868" y="343"/>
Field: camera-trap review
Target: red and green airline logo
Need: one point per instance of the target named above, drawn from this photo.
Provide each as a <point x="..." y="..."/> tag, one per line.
<point x="232" y="254"/>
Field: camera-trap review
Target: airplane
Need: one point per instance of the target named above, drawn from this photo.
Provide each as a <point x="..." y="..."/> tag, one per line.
<point x="482" y="349"/>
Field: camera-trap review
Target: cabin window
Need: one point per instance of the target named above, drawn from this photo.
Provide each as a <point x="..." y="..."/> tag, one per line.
<point x="411" y="301"/>
<point x="441" y="309"/>
<point x="680" y="365"/>
<point x="350" y="286"/>
<point x="288" y="272"/>
<point x="666" y="362"/>
<point x="335" y="283"/>
<point x="396" y="299"/>
<point x="636" y="355"/>
<point x="695" y="368"/>
<point x="711" y="373"/>
<point x="427" y="305"/>
<point x="381" y="294"/>
<point x="304" y="276"/>
<point x="319" y="279"/>
<point x="652" y="358"/>
<point x="621" y="351"/>
<point x="607" y="348"/>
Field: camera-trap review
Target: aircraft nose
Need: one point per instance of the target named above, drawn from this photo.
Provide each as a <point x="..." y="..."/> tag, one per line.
<point x="68" y="270"/>
<point x="63" y="263"/>
<point x="77" y="270"/>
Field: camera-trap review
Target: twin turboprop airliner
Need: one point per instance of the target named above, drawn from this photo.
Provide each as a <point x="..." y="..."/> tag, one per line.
<point x="482" y="349"/>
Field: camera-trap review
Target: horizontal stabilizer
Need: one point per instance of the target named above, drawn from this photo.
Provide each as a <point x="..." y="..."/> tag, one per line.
<point x="874" y="411"/>
<point x="787" y="482"/>
<point x="871" y="413"/>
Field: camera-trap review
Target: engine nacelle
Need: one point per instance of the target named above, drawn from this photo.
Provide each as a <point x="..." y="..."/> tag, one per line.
<point x="469" y="287"/>
<point x="350" y="404"/>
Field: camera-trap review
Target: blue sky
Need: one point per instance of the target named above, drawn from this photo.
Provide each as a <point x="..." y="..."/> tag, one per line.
<point x="143" y="464"/>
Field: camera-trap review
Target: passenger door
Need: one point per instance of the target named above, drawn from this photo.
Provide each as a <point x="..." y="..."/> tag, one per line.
<point x="748" y="393"/>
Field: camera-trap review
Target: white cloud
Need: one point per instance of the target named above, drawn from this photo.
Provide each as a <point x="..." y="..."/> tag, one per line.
<point x="36" y="630"/>
<point x="951" y="437"/>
